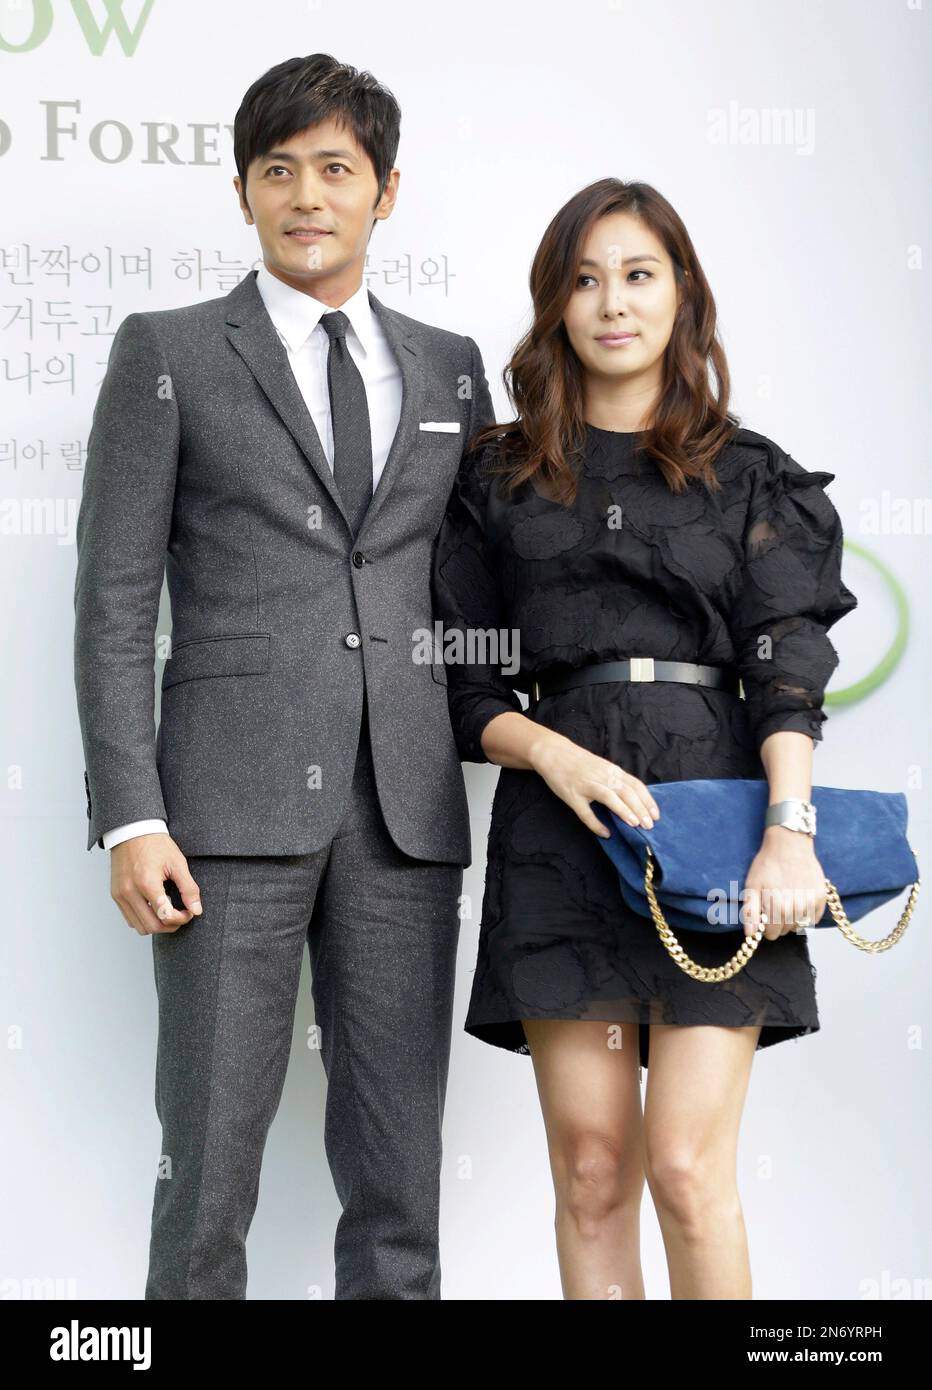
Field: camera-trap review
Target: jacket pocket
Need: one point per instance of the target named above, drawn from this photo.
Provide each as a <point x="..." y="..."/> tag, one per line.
<point x="240" y="655"/>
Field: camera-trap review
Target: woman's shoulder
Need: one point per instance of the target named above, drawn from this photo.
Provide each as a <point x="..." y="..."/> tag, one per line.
<point x="479" y="466"/>
<point x="753" y="460"/>
<point x="479" y="460"/>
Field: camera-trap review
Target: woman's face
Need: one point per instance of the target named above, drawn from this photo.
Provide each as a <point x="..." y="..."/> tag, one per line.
<point x="620" y="314"/>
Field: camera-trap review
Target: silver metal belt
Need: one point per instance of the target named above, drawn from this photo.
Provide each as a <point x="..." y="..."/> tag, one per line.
<point x="637" y="668"/>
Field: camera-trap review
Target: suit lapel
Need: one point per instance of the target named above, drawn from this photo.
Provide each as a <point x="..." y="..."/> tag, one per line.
<point x="407" y="355"/>
<point x="254" y="336"/>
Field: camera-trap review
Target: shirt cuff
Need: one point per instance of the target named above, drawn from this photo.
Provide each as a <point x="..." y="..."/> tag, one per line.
<point x="132" y="829"/>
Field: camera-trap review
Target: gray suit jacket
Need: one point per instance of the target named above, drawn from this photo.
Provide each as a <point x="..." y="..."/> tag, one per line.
<point x="204" y="463"/>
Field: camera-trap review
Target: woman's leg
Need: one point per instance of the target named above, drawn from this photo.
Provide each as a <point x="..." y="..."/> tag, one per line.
<point x="590" y="1096"/>
<point x="696" y="1086"/>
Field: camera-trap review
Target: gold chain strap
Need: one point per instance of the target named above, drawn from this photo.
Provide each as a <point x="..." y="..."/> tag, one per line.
<point x="841" y="921"/>
<point x="713" y="974"/>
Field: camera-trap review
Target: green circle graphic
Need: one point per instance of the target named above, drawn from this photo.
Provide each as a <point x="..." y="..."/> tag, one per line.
<point x="891" y="657"/>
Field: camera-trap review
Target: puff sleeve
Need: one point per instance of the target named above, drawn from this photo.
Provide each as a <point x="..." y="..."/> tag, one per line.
<point x="790" y="594"/>
<point x="467" y="600"/>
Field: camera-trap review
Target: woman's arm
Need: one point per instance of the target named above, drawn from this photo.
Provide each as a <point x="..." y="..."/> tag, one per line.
<point x="787" y="759"/>
<point x="785" y="880"/>
<point x="485" y="712"/>
<point x="577" y="776"/>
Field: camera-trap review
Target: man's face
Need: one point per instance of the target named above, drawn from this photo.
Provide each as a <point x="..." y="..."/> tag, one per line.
<point x="312" y="200"/>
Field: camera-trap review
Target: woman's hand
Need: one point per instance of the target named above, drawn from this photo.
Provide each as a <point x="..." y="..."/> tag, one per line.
<point x="579" y="777"/>
<point x="785" y="881"/>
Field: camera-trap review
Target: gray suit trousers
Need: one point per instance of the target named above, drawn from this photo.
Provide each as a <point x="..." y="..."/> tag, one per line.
<point x="381" y="929"/>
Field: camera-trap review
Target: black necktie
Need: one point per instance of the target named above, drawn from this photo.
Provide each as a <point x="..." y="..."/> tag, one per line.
<point x="349" y="413"/>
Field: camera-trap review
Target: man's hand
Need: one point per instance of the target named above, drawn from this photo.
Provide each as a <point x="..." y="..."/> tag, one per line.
<point x="138" y="870"/>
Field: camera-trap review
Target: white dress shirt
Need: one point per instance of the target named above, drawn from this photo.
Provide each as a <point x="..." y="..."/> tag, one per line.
<point x="297" y="316"/>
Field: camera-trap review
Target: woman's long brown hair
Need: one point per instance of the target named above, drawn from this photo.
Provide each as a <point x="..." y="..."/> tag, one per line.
<point x="544" y="379"/>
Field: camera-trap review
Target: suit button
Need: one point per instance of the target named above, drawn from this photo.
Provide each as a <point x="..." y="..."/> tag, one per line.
<point x="352" y="639"/>
<point x="358" y="559"/>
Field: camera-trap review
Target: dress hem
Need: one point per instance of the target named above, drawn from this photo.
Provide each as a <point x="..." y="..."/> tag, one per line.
<point x="508" y="1033"/>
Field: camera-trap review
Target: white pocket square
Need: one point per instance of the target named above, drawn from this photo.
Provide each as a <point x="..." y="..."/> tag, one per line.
<point x="446" y="426"/>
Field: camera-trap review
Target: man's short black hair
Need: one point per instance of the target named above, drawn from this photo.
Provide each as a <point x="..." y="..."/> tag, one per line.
<point x="304" y="91"/>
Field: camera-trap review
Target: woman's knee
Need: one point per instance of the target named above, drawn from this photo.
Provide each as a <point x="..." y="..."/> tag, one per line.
<point x="690" y="1184"/>
<point x="596" y="1174"/>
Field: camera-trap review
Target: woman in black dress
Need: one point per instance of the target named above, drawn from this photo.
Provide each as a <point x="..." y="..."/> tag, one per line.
<point x="625" y="514"/>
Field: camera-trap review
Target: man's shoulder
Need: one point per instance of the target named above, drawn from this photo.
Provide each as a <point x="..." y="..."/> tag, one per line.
<point x="185" y="317"/>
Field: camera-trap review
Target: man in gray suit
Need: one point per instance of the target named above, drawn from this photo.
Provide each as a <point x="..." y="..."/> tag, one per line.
<point x="285" y="453"/>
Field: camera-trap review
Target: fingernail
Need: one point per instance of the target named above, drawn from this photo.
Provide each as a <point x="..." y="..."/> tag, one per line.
<point x="196" y="908"/>
<point x="647" y="822"/>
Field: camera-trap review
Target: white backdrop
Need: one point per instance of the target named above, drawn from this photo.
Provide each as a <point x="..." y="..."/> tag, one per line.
<point x="812" y="230"/>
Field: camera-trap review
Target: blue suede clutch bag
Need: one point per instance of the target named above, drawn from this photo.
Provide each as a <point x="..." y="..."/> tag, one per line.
<point x="689" y="870"/>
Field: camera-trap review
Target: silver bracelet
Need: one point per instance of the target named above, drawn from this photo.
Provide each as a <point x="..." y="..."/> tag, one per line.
<point x="794" y="814"/>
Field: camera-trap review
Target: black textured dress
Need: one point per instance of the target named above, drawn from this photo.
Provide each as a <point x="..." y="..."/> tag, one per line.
<point x="749" y="576"/>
